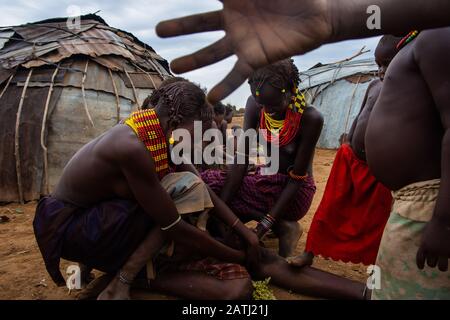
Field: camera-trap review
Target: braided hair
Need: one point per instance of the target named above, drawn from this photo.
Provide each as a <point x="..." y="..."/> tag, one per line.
<point x="152" y="100"/>
<point x="281" y="74"/>
<point x="185" y="101"/>
<point x="219" y="108"/>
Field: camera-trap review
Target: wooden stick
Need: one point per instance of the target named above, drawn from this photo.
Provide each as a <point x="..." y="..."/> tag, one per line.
<point x="136" y="99"/>
<point x="44" y="124"/>
<point x="83" y="91"/>
<point x="351" y="102"/>
<point x="148" y="75"/>
<point x="6" y="86"/>
<point x="116" y="94"/>
<point x="17" y="138"/>
<point x="156" y="68"/>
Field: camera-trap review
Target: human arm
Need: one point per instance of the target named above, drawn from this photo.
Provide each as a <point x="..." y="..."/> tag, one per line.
<point x="139" y="171"/>
<point x="226" y="215"/>
<point x="260" y="32"/>
<point x="237" y="171"/>
<point x="435" y="247"/>
<point x="311" y="127"/>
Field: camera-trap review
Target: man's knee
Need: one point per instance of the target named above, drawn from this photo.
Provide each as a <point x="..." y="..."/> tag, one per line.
<point x="239" y="289"/>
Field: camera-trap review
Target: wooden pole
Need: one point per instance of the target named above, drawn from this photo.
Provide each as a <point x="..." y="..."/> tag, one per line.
<point x="17" y="138"/>
<point x="136" y="99"/>
<point x="44" y="124"/>
<point x="83" y="91"/>
<point x="116" y="94"/>
<point x="6" y="86"/>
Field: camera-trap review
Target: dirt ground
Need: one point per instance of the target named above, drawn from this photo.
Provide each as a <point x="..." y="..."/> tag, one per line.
<point x="23" y="274"/>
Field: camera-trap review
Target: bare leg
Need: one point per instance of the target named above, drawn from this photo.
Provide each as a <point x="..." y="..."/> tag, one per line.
<point x="305" y="259"/>
<point x="199" y="286"/>
<point x="288" y="233"/>
<point x="117" y="290"/>
<point x="307" y="280"/>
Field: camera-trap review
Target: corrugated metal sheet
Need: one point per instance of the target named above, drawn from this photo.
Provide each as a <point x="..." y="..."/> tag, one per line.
<point x="50" y="42"/>
<point x="339" y="104"/>
<point x="332" y="72"/>
<point x="69" y="128"/>
<point x="337" y="91"/>
<point x="4" y="37"/>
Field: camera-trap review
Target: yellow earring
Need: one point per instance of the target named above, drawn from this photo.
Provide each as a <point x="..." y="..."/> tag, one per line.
<point x="171" y="140"/>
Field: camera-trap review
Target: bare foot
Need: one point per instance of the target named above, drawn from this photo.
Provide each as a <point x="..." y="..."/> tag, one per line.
<point x="305" y="259"/>
<point x="289" y="234"/>
<point x="116" y="290"/>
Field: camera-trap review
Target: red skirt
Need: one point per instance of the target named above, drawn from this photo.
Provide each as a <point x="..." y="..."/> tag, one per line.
<point x="355" y="207"/>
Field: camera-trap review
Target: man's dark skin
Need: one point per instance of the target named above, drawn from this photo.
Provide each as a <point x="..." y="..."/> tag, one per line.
<point x="299" y="154"/>
<point x="384" y="54"/>
<point x="408" y="136"/>
<point x="125" y="169"/>
<point x="261" y="32"/>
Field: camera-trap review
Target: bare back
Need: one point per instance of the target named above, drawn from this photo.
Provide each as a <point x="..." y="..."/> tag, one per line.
<point x="93" y="174"/>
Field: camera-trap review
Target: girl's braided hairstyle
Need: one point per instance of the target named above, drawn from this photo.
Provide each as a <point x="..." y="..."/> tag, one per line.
<point x="185" y="101"/>
<point x="152" y="100"/>
<point x="281" y="74"/>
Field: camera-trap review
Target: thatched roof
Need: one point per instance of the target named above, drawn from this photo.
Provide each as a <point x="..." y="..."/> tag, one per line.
<point x="51" y="41"/>
<point x="61" y="87"/>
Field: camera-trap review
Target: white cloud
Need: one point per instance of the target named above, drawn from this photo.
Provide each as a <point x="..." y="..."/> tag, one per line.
<point x="140" y="18"/>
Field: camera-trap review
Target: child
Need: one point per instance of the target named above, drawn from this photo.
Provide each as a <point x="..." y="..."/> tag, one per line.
<point x="350" y="220"/>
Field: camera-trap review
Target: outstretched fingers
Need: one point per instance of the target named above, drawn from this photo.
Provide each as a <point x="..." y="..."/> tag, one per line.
<point x="203" y="22"/>
<point x="216" y="52"/>
<point x="240" y="72"/>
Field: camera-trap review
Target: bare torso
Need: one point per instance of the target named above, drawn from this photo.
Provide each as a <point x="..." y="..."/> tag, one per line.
<point x="357" y="139"/>
<point x="403" y="139"/>
<point x="93" y="175"/>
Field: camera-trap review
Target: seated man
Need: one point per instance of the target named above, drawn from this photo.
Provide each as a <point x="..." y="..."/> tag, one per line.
<point x="122" y="185"/>
<point x="350" y="219"/>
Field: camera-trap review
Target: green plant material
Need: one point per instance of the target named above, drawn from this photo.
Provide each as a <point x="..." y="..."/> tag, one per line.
<point x="262" y="291"/>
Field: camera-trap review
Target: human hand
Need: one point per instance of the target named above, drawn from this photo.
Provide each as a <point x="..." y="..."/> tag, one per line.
<point x="435" y="246"/>
<point x="259" y="32"/>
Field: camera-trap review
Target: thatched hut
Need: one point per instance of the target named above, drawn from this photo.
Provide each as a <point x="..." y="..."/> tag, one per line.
<point x="60" y="87"/>
<point x="337" y="90"/>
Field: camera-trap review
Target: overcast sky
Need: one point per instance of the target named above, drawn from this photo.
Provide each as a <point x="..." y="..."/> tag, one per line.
<point x="140" y="17"/>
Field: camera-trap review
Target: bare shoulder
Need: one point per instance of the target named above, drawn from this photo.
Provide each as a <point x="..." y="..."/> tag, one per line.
<point x="252" y="112"/>
<point x="312" y="116"/>
<point x="433" y="43"/>
<point x="252" y="107"/>
<point x="123" y="145"/>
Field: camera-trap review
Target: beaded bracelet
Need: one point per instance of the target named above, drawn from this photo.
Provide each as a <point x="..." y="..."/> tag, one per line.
<point x="267" y="223"/>
<point x="297" y="177"/>
<point x="123" y="279"/>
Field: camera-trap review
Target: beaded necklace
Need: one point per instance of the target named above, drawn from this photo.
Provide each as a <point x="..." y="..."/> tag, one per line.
<point x="407" y="39"/>
<point x="146" y="125"/>
<point x="282" y="132"/>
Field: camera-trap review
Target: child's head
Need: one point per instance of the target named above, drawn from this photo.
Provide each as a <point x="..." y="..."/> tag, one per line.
<point x="228" y="114"/>
<point x="385" y="53"/>
<point x="219" y="113"/>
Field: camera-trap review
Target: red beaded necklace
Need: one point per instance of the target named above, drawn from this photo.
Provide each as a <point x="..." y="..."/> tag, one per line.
<point x="290" y="124"/>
